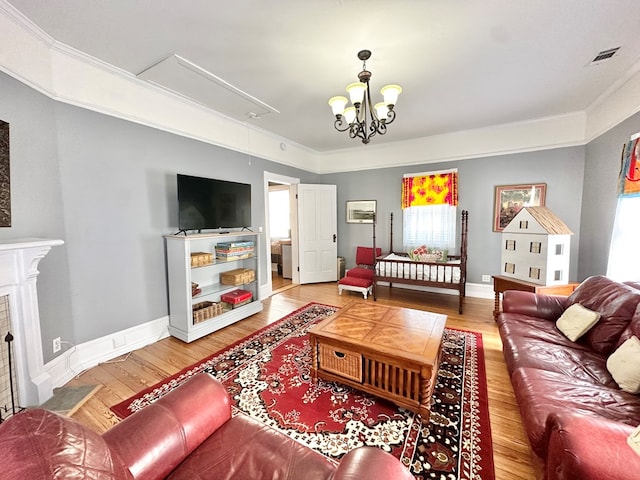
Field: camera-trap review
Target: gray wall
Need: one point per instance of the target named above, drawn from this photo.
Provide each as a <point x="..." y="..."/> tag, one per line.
<point x="599" y="202"/>
<point x="36" y="199"/>
<point x="107" y="187"/>
<point x="561" y="169"/>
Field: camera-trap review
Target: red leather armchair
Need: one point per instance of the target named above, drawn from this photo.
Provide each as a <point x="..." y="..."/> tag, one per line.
<point x="187" y="434"/>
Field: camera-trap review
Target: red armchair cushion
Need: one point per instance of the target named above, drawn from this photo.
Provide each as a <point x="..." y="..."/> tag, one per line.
<point x="356" y="282"/>
<point x="362" y="273"/>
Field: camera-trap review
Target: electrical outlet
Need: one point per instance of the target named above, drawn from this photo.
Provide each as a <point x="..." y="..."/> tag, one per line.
<point x="486" y="278"/>
<point x="57" y="344"/>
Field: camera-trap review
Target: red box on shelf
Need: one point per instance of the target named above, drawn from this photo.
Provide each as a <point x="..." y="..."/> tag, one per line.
<point x="236" y="296"/>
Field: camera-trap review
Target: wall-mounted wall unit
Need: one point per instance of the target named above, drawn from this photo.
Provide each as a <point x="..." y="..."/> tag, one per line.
<point x="213" y="281"/>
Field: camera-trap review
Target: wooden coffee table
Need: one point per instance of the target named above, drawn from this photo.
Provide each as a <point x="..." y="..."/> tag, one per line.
<point x="390" y="352"/>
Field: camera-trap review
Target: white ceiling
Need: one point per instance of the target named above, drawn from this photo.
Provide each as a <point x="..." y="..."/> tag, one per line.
<point x="463" y="64"/>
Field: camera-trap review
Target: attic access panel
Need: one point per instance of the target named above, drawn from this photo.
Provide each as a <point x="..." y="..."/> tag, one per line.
<point x="188" y="79"/>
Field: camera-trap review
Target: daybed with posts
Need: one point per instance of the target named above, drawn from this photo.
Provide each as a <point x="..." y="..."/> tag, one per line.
<point x="439" y="270"/>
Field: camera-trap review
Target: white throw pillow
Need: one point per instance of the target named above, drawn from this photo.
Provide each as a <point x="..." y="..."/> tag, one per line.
<point x="634" y="440"/>
<point x="576" y="321"/>
<point x="624" y="365"/>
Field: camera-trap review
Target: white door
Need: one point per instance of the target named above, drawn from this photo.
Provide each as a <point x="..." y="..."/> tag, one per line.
<point x="317" y="233"/>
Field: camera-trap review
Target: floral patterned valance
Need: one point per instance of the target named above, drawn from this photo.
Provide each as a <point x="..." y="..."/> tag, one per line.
<point x="435" y="189"/>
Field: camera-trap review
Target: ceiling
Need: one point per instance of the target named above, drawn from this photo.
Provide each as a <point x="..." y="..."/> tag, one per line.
<point x="463" y="64"/>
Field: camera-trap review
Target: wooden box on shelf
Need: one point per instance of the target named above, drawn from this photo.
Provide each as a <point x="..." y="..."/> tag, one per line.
<point x="200" y="259"/>
<point x="205" y="310"/>
<point x="236" y="298"/>
<point x="239" y="276"/>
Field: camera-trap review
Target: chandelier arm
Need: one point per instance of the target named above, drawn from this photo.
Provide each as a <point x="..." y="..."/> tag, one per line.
<point x="391" y="116"/>
<point x="372" y="111"/>
<point x="356" y="130"/>
<point x="340" y="125"/>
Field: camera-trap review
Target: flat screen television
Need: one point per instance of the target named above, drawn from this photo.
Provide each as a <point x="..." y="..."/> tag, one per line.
<point x="210" y="204"/>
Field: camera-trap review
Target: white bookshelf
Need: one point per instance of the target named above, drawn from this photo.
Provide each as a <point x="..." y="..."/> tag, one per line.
<point x="181" y="274"/>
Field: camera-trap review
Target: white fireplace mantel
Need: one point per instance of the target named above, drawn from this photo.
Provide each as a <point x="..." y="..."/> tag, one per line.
<point x="18" y="273"/>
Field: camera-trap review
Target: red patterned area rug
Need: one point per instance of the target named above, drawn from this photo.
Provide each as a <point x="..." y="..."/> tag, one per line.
<point x="268" y="376"/>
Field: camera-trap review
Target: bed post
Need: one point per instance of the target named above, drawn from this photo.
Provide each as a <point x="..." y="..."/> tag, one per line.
<point x="391" y="235"/>
<point x="374" y="256"/>
<point x="463" y="259"/>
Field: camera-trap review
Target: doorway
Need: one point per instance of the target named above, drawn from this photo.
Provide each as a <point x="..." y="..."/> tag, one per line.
<point x="280" y="222"/>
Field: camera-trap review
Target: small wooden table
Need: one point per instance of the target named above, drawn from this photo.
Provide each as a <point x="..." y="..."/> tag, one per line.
<point x="501" y="284"/>
<point x="390" y="352"/>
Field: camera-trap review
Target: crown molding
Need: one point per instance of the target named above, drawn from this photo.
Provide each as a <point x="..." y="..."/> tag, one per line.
<point x="73" y="77"/>
<point x="619" y="102"/>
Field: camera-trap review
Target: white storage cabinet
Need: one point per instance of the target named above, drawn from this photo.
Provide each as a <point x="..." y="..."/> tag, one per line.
<point x="181" y="274"/>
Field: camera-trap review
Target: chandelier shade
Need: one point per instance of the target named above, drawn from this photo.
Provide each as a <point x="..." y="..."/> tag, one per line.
<point x="338" y="104"/>
<point x="391" y="93"/>
<point x="362" y="119"/>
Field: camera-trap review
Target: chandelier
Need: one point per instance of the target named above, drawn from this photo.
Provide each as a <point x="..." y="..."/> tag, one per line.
<point x="362" y="120"/>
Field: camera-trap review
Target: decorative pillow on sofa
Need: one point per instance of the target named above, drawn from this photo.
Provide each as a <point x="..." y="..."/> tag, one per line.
<point x="634" y="440"/>
<point x="624" y="365"/>
<point x="576" y="321"/>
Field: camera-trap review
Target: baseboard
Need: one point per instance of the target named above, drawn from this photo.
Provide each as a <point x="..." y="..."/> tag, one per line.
<point x="81" y="357"/>
<point x="480" y="290"/>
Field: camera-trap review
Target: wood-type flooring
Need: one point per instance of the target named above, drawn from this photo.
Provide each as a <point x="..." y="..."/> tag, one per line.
<point x="124" y="376"/>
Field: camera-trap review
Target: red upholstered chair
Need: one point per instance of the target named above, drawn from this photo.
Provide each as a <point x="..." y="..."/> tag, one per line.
<point x="360" y="278"/>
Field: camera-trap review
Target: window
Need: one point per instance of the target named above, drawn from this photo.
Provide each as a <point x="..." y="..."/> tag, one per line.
<point x="434" y="226"/>
<point x="557" y="275"/>
<point x="624" y="262"/>
<point x="279" y="213"/>
<point x="524" y="225"/>
<point x="559" y="249"/>
<point x="535" y="247"/>
<point x="510" y="245"/>
<point x="510" y="268"/>
<point x="429" y="209"/>
<point x="534" y="273"/>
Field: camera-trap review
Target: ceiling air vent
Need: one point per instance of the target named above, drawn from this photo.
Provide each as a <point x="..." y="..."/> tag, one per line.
<point x="604" y="55"/>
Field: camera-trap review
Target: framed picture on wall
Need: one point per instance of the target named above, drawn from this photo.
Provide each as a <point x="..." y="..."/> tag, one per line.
<point x="509" y="199"/>
<point x="5" y="183"/>
<point x="361" y="211"/>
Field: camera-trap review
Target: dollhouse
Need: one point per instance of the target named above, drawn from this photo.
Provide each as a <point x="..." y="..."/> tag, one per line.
<point x="535" y="247"/>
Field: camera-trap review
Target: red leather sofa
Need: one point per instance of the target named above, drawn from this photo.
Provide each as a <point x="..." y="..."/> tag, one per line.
<point x="576" y="417"/>
<point x="188" y="434"/>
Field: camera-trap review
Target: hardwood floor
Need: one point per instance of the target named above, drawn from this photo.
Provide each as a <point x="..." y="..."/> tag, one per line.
<point x="279" y="283"/>
<point x="126" y="375"/>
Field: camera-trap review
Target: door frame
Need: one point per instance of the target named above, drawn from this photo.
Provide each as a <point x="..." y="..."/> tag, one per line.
<point x="283" y="180"/>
